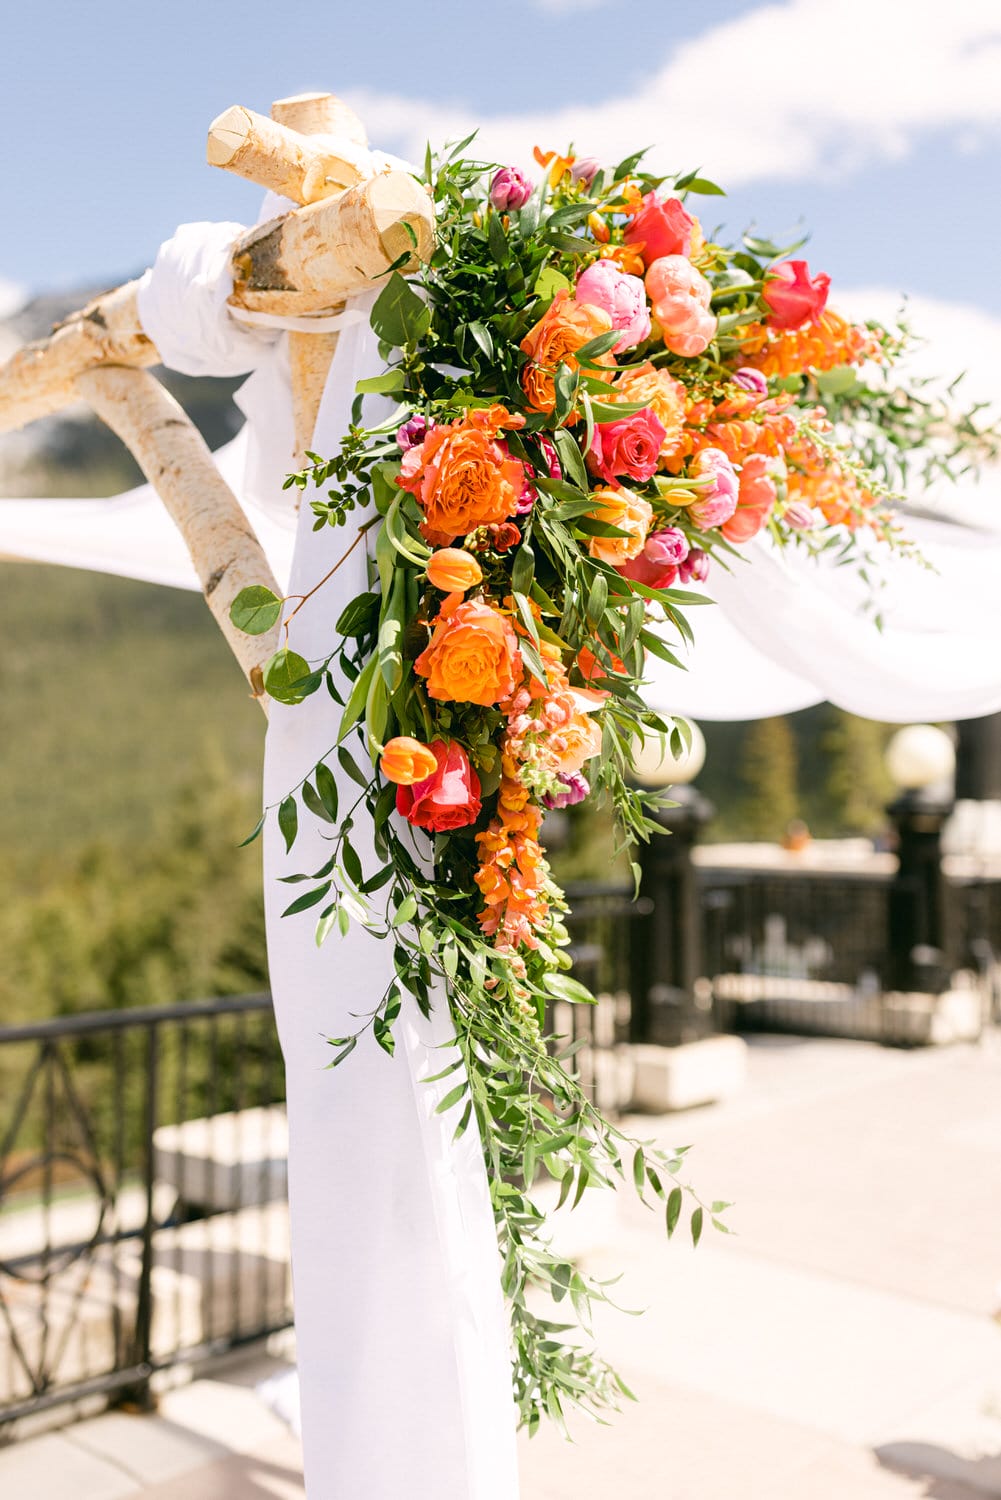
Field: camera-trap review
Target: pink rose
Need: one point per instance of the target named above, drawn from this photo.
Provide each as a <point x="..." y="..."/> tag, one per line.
<point x="621" y="296"/>
<point x="657" y="564"/>
<point x="630" y="446"/>
<point x="755" y="500"/>
<point x="718" y="501"/>
<point x="793" y="296"/>
<point x="662" y="228"/>
<point x="448" y="798"/>
<point x="680" y="295"/>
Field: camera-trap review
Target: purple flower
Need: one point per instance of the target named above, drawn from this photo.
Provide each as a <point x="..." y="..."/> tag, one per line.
<point x="750" y="380"/>
<point x="585" y="169"/>
<point x="667" y="548"/>
<point x="412" y="432"/>
<point x="510" y="189"/>
<point x="576" y="788"/>
<point x="695" y="568"/>
<point x="799" y="516"/>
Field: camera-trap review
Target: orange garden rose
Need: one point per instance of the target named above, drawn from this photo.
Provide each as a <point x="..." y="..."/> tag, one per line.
<point x="406" y="761"/>
<point x="454" y="571"/>
<point x="629" y="512"/>
<point x="564" y="328"/>
<point x="462" y="477"/>
<point x="473" y="656"/>
<point x="665" y="396"/>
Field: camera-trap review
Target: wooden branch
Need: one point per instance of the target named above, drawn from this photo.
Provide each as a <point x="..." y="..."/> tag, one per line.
<point x="176" y="460"/>
<point x="282" y="159"/>
<point x="319" y="114"/>
<point x="315" y="256"/>
<point x="39" y="378"/>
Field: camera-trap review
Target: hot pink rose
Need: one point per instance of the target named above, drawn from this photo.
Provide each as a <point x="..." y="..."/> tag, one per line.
<point x="755" y="500"/>
<point x="657" y="564"/>
<point x="718" y="501"/>
<point x="449" y="798"/>
<point x="793" y="296"/>
<point x="622" y="297"/>
<point x="680" y="295"/>
<point x="630" y="446"/>
<point x="663" y="228"/>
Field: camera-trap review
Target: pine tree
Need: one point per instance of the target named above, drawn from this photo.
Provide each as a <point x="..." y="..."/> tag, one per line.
<point x="768" y="775"/>
<point x="858" y="785"/>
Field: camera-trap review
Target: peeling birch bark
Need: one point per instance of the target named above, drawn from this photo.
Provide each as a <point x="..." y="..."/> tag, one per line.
<point x="282" y="159"/>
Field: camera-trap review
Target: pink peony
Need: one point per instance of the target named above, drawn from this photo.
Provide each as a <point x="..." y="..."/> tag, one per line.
<point x="662" y="228"/>
<point x="621" y="296"/>
<point x="510" y="189"/>
<point x="680" y="295"/>
<point x="755" y="500"/>
<point x="718" y="501"/>
<point x="793" y="296"/>
<point x="630" y="446"/>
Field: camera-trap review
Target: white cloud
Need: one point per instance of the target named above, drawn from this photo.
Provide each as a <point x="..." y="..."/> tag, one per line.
<point x="786" y="91"/>
<point x="12" y="297"/>
<point x="568" y="7"/>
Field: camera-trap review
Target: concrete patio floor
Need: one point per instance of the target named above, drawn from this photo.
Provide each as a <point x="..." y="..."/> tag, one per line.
<point x="841" y="1346"/>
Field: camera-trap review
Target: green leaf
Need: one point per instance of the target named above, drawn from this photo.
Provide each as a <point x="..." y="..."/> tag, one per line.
<point x="358" y="618"/>
<point x="703" y="185"/>
<point x="308" y="899"/>
<point x="481" y="333"/>
<point x="451" y="1098"/>
<point x="523" y="572"/>
<point x="326" y="787"/>
<point x="349" y="765"/>
<point x="406" y="911"/>
<point x="565" y="988"/>
<point x="255" y="610"/>
<point x="382" y="385"/>
<point x="696" y="1226"/>
<point x="384" y="1035"/>
<point x="497" y="239"/>
<point x="313" y="802"/>
<point x="286" y="677"/>
<point x="399" y="316"/>
<point x="674" y="1201"/>
<point x="570" y="456"/>
<point x="550" y="281"/>
<point x="349" y="1046"/>
<point x="639" y="1170"/>
<point x="326" y="924"/>
<point x="288" y="822"/>
<point x="253" y="835"/>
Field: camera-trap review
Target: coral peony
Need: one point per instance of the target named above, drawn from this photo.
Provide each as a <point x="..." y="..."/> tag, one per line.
<point x="462" y="477"/>
<point x="510" y="189"/>
<point x="406" y="761"/>
<point x="755" y="500"/>
<point x="665" y="396"/>
<point x="622" y="297"/>
<point x="718" y="501"/>
<point x="680" y="295"/>
<point x="662" y="227"/>
<point x="473" y="656"/>
<point x="630" y="446"/>
<point x="562" y="329"/>
<point x="794" y="297"/>
<point x="631" y="514"/>
<point x="453" y="570"/>
<point x="448" y="798"/>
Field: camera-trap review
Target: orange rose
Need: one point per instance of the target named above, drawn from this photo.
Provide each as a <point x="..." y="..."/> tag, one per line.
<point x="564" y="327"/>
<point x="407" y="761"/>
<point x="665" y="396"/>
<point x="462" y="477"/>
<point x="454" y="571"/>
<point x="473" y="656"/>
<point x="631" y="514"/>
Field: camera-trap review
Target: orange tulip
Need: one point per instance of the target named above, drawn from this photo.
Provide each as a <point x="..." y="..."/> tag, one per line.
<point x="454" y="570"/>
<point x="406" y="761"/>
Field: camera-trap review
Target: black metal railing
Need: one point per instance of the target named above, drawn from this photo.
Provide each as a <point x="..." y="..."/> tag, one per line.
<point x="142" y="1182"/>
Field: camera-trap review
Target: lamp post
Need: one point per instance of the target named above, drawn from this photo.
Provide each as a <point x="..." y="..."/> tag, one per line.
<point x="666" y="962"/>
<point x="921" y="761"/>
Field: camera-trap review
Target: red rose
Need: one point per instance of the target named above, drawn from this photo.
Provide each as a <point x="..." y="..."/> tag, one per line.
<point x="755" y="499"/>
<point x="449" y="798"/>
<point x="630" y="446"/>
<point x="663" y="228"/>
<point x="793" y="296"/>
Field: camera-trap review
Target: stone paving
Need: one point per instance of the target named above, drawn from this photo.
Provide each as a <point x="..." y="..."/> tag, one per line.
<point x="842" y="1345"/>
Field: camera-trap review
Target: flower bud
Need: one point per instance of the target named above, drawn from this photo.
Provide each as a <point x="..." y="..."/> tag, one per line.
<point x="412" y="433"/>
<point x="750" y="380"/>
<point x="584" y="169"/>
<point x="406" y="761"/>
<point x="510" y="189"/>
<point x="453" y="570"/>
<point x="799" y="516"/>
<point x="695" y="568"/>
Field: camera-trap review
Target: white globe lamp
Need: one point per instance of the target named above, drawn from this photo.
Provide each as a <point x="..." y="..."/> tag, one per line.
<point x="920" y="756"/>
<point x="655" y="766"/>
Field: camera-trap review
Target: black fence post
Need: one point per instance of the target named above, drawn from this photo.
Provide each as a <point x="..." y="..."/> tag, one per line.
<point x="140" y="1393"/>
<point x="921" y="946"/>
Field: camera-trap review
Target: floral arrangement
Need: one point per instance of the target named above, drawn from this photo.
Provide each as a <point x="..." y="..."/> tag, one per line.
<point x="597" y="404"/>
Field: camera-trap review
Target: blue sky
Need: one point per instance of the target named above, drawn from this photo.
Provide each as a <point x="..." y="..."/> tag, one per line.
<point x="875" y="123"/>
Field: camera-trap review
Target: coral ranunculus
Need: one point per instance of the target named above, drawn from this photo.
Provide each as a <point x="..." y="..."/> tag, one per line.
<point x="755" y="500"/>
<point x="406" y="761"/>
<point x="794" y="297"/>
<point x="564" y="327"/>
<point x="473" y="656"/>
<point x="630" y="446"/>
<point x="462" y="477"/>
<point x="622" y="297"/>
<point x="680" y="295"/>
<point x="661" y="227"/>
<point x="454" y="570"/>
<point x="449" y="797"/>
<point x="631" y="514"/>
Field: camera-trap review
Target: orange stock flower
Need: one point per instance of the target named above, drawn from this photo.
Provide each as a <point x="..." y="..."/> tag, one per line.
<point x="564" y="327"/>
<point x="831" y="341"/>
<point x="631" y="514"/>
<point x="454" y="571"/>
<point x="462" y="477"/>
<point x="473" y="656"/>
<point x="406" y="761"/>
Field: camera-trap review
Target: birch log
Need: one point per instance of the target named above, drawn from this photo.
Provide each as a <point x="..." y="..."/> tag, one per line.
<point x="176" y="460"/>
<point x="284" y="160"/>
